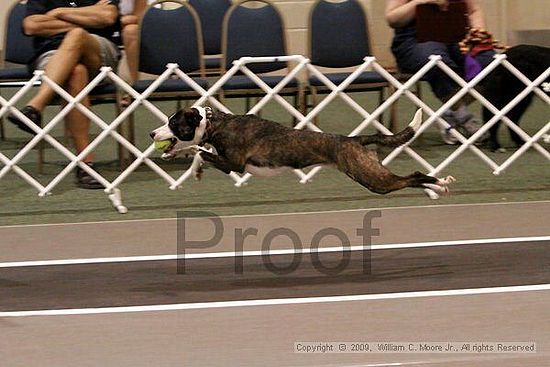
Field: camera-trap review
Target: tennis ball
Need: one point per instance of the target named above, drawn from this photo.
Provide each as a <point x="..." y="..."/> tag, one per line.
<point x="162" y="145"/>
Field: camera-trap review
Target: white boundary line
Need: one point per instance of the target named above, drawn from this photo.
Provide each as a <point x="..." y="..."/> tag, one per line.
<point x="276" y="301"/>
<point x="278" y="214"/>
<point x="291" y="251"/>
<point x="464" y="360"/>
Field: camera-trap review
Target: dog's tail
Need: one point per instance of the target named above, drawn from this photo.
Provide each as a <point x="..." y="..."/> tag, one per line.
<point x="394" y="140"/>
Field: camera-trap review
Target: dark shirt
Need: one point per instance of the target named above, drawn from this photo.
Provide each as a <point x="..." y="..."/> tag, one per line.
<point x="44" y="44"/>
<point x="430" y="29"/>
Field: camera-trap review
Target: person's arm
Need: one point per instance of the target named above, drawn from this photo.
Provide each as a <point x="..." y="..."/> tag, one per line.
<point x="399" y="13"/>
<point x="45" y="26"/>
<point x="136" y="15"/>
<point x="475" y="14"/>
<point x="100" y="15"/>
<point x="139" y="8"/>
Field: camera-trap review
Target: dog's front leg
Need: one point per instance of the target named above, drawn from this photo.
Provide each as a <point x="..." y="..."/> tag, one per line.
<point x="221" y="163"/>
<point x="196" y="167"/>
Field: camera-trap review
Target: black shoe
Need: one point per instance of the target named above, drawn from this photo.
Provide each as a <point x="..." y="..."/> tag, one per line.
<point x="85" y="181"/>
<point x="33" y="115"/>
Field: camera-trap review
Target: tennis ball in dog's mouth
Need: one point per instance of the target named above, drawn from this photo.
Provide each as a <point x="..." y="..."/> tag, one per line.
<point x="162" y="145"/>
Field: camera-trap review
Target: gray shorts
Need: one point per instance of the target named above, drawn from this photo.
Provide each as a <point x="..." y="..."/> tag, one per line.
<point x="110" y="55"/>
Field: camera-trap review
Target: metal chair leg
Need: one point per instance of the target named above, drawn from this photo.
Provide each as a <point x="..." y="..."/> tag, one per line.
<point x="314" y="103"/>
<point x="393" y="111"/>
<point x="2" y="133"/>
<point x="41" y="155"/>
<point x="381" y="98"/>
<point x="247" y="104"/>
<point x="127" y="132"/>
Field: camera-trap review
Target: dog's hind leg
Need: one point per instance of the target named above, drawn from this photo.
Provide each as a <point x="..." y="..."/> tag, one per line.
<point x="393" y="140"/>
<point x="441" y="187"/>
<point x="362" y="165"/>
<point x="391" y="182"/>
<point x="493" y="143"/>
<point x="515" y="115"/>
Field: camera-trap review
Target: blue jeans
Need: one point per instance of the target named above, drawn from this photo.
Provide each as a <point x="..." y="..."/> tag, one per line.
<point x="411" y="55"/>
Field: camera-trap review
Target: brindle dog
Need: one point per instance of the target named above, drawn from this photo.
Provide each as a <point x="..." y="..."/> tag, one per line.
<point x="248" y="143"/>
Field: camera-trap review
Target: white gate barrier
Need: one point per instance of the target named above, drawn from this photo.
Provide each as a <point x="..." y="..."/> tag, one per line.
<point x="301" y="64"/>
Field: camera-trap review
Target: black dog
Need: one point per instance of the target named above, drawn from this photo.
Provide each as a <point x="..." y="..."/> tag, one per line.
<point x="247" y="143"/>
<point x="501" y="86"/>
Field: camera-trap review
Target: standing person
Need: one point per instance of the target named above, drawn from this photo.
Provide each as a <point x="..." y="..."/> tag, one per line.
<point x="411" y="54"/>
<point x="72" y="39"/>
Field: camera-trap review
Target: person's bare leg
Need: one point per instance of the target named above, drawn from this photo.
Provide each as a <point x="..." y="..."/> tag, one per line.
<point x="130" y="40"/>
<point x="77" y="123"/>
<point x="78" y="47"/>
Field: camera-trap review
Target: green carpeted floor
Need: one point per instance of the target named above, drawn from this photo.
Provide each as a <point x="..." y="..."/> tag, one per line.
<point x="148" y="196"/>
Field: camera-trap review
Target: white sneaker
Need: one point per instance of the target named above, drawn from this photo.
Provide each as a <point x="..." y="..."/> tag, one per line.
<point x="445" y="132"/>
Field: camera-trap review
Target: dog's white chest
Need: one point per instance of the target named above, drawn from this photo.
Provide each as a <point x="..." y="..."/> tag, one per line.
<point x="265" y="171"/>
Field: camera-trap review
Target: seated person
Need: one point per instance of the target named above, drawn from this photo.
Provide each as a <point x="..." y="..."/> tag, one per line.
<point x="412" y="54"/>
<point x="72" y="39"/>
<point x="131" y="12"/>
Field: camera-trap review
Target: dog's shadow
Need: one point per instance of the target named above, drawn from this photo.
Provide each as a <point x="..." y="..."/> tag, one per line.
<point x="307" y="281"/>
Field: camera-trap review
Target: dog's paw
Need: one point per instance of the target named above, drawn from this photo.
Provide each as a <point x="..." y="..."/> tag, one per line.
<point x="167" y="156"/>
<point x="437" y="188"/>
<point x="446" y="181"/>
<point x="431" y="194"/>
<point x="198" y="173"/>
<point x="441" y="187"/>
<point x="193" y="149"/>
<point x="196" y="166"/>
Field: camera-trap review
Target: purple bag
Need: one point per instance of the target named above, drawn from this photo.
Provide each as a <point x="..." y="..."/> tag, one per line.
<point x="471" y="67"/>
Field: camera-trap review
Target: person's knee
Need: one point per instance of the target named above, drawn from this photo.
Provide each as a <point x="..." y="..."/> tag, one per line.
<point x="78" y="78"/>
<point x="80" y="72"/>
<point x="413" y="57"/>
<point x="426" y="49"/>
<point x="75" y="38"/>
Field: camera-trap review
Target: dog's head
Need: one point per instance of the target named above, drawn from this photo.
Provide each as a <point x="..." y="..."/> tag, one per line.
<point x="185" y="128"/>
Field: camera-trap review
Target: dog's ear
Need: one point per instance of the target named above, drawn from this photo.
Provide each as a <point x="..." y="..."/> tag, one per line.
<point x="192" y="117"/>
<point x="184" y="123"/>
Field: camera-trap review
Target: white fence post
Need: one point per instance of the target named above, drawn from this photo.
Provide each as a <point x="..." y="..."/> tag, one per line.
<point x="302" y="63"/>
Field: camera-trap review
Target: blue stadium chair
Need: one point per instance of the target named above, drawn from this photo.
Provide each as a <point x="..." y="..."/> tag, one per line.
<point x="211" y="13"/>
<point x="255" y="31"/>
<point x="339" y="38"/>
<point x="170" y="35"/>
<point x="18" y="50"/>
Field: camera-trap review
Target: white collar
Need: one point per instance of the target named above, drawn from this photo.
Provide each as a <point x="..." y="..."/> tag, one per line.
<point x="206" y="114"/>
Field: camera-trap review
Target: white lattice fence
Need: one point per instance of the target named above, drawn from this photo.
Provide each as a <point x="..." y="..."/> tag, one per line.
<point x="301" y="64"/>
